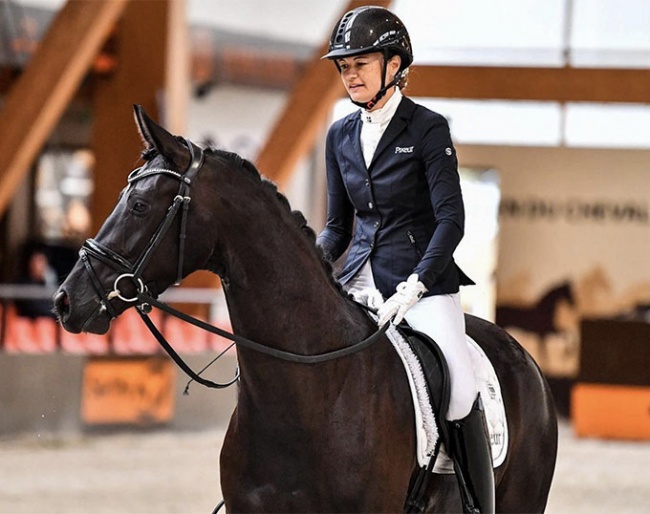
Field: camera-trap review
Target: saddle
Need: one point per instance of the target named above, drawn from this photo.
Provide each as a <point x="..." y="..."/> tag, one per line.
<point x="434" y="367"/>
<point x="436" y="378"/>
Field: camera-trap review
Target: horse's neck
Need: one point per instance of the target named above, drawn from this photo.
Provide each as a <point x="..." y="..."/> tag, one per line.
<point x="278" y="291"/>
<point x="286" y="305"/>
<point x="290" y="305"/>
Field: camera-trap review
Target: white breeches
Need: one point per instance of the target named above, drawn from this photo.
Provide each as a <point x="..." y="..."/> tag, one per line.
<point x="441" y="318"/>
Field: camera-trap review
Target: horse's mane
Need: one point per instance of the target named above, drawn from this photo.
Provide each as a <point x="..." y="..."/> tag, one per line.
<point x="298" y="217"/>
<point x="272" y="189"/>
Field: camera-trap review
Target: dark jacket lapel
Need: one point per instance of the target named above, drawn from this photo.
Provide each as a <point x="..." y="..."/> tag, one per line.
<point x="395" y="127"/>
<point x="352" y="141"/>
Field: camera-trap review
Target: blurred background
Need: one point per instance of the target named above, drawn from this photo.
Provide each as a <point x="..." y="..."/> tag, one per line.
<point x="549" y="108"/>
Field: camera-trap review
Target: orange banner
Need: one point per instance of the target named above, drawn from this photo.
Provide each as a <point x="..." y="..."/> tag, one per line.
<point x="128" y="390"/>
<point x="611" y="411"/>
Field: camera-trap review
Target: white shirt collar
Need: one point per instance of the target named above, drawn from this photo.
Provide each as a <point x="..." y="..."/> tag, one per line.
<point x="384" y="114"/>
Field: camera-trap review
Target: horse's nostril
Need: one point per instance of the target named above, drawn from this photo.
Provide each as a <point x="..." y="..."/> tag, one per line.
<point x="62" y="304"/>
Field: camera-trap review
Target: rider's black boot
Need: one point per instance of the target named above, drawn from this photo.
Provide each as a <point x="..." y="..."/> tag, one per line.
<point x="472" y="456"/>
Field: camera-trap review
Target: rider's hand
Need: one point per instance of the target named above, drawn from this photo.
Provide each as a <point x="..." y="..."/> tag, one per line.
<point x="407" y="295"/>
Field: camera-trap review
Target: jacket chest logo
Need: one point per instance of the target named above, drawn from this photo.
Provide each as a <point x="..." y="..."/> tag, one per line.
<point x="404" y="149"/>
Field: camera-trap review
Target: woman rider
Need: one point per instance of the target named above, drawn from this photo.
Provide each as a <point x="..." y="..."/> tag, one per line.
<point x="392" y="169"/>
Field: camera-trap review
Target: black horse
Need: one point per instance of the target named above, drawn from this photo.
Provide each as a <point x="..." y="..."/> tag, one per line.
<point x="334" y="436"/>
<point x="538" y="318"/>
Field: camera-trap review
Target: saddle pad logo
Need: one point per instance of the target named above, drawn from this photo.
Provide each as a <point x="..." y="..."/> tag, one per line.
<point x="404" y="149"/>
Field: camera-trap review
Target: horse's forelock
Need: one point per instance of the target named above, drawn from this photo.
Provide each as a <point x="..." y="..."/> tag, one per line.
<point x="149" y="153"/>
<point x="152" y="151"/>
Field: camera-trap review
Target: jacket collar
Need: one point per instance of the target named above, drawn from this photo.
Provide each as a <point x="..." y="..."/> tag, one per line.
<point x="396" y="126"/>
<point x="399" y="122"/>
<point x="384" y="114"/>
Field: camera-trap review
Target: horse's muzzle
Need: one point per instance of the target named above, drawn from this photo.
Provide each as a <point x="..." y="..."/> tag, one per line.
<point x="77" y="320"/>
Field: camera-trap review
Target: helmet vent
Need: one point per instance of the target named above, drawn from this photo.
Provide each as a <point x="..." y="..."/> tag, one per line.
<point x="342" y="26"/>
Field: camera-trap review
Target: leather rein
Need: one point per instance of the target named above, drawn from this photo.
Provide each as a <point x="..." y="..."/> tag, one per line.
<point x="144" y="301"/>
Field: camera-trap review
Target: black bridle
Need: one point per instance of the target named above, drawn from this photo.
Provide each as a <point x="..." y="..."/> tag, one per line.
<point x="133" y="272"/>
<point x="144" y="301"/>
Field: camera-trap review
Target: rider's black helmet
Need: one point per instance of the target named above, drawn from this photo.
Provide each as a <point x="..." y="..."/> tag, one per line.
<point x="370" y="29"/>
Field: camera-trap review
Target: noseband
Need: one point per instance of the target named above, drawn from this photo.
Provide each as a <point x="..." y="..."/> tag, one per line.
<point x="133" y="272"/>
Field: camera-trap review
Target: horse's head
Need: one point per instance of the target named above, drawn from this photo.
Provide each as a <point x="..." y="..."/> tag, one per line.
<point x="562" y="292"/>
<point x="141" y="245"/>
<point x="566" y="293"/>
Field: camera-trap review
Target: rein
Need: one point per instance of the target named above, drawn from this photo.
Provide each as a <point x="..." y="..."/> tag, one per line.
<point x="144" y="300"/>
<point x="247" y="343"/>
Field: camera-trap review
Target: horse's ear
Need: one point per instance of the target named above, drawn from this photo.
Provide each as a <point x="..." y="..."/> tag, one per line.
<point x="153" y="135"/>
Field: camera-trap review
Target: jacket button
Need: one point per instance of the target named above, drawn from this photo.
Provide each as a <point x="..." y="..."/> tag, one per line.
<point x="376" y="224"/>
<point x="368" y="182"/>
<point x="370" y="205"/>
<point x="372" y="245"/>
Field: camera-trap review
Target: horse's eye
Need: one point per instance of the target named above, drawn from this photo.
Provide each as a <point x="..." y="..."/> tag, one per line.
<point x="139" y="208"/>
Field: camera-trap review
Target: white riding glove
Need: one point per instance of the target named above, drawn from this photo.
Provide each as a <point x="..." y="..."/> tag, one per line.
<point x="407" y="295"/>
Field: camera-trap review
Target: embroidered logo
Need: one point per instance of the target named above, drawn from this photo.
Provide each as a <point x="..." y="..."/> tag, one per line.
<point x="404" y="149"/>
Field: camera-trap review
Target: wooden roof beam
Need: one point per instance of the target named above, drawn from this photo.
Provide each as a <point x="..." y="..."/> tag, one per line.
<point x="41" y="94"/>
<point x="319" y="87"/>
<point x="542" y="84"/>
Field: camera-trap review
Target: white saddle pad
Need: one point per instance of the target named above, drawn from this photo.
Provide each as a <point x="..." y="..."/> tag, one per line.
<point x="425" y="422"/>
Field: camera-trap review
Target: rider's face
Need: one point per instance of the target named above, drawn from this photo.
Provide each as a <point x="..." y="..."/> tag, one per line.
<point x="361" y="75"/>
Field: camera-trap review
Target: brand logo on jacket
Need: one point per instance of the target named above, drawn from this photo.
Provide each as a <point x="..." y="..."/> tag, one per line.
<point x="404" y="149"/>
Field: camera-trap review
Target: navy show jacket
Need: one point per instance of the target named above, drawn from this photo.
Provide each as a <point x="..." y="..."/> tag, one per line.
<point x="407" y="204"/>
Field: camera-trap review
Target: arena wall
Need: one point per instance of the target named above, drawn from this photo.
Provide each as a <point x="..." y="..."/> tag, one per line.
<point x="43" y="394"/>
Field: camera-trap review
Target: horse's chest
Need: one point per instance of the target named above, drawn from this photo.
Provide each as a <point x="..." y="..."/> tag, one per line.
<point x="314" y="495"/>
<point x="291" y="476"/>
<point x="263" y="498"/>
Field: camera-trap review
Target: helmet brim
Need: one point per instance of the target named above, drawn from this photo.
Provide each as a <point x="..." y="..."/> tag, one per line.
<point x="339" y="53"/>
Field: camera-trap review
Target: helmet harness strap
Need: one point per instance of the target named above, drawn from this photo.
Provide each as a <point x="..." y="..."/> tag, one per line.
<point x="384" y="87"/>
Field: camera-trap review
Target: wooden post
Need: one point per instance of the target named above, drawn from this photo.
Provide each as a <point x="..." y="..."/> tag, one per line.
<point x="38" y="98"/>
<point x="152" y="71"/>
<point x="142" y="76"/>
